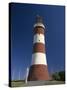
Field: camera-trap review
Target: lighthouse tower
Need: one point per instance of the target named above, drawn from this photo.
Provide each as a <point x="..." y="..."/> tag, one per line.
<point x="38" y="69"/>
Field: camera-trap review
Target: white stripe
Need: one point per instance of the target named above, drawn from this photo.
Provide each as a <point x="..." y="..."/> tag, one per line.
<point x="39" y="58"/>
<point x="39" y="38"/>
<point x="39" y="24"/>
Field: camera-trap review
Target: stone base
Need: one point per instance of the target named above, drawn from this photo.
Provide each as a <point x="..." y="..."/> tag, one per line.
<point x="38" y="72"/>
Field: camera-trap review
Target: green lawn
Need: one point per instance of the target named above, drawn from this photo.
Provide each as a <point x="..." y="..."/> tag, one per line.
<point x="21" y="83"/>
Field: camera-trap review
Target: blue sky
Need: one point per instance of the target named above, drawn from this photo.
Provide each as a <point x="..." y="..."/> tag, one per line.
<point x="22" y="21"/>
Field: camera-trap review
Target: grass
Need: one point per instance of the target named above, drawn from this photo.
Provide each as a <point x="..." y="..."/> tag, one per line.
<point x="21" y="83"/>
<point x="17" y="83"/>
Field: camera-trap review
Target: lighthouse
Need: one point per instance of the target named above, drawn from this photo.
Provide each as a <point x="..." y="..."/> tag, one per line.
<point x="38" y="69"/>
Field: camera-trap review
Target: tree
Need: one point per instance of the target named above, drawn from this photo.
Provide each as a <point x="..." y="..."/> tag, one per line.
<point x="55" y="76"/>
<point x="59" y="76"/>
<point x="62" y="76"/>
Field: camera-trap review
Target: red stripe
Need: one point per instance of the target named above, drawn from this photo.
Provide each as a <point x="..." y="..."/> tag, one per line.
<point x="39" y="30"/>
<point x="39" y="47"/>
<point x="38" y="72"/>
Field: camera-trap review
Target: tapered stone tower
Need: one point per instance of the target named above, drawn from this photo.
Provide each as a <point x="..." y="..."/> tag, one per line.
<point x="38" y="69"/>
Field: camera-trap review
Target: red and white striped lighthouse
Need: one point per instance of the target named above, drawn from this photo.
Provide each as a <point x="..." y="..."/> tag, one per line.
<point x="38" y="69"/>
